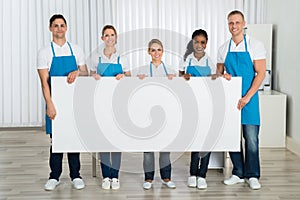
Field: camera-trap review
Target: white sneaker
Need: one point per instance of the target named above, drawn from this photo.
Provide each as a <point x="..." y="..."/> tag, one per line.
<point x="78" y="183"/>
<point x="115" y="184"/>
<point x="51" y="184"/>
<point x="169" y="184"/>
<point x="147" y="185"/>
<point x="201" y="183"/>
<point x="192" y="181"/>
<point x="106" y="183"/>
<point x="253" y="183"/>
<point x="233" y="180"/>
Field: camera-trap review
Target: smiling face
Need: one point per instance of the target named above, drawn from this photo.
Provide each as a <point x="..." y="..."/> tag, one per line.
<point x="156" y="52"/>
<point x="199" y="44"/>
<point x="58" y="29"/>
<point x="109" y="37"/>
<point x="236" y="24"/>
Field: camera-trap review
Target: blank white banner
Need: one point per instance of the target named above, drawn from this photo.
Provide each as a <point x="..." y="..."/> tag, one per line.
<point x="154" y="114"/>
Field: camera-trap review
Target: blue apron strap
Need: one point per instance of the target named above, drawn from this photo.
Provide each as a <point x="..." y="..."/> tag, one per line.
<point x="70" y="48"/>
<point x="190" y="62"/>
<point x="150" y="69"/>
<point x="246" y="48"/>
<point x="207" y="62"/>
<point x="229" y="45"/>
<point x="165" y="68"/>
<point x="99" y="59"/>
<point x="52" y="49"/>
<point x="118" y="59"/>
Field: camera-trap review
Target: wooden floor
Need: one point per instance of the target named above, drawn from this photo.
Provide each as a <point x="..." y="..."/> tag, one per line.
<point x="24" y="171"/>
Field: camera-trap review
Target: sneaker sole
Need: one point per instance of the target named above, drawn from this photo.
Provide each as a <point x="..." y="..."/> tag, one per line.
<point x="79" y="188"/>
<point x="166" y="184"/>
<point x="170" y="187"/>
<point x="240" y="181"/>
<point x="253" y="188"/>
<point x="47" y="189"/>
<point x="192" y="186"/>
<point x="147" y="188"/>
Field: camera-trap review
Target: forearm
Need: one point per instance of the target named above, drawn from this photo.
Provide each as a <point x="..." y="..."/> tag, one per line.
<point x="128" y="73"/>
<point x="83" y="70"/>
<point x="47" y="94"/>
<point x="255" y="85"/>
<point x="220" y="69"/>
<point x="44" y="77"/>
<point x="260" y="69"/>
<point x="92" y="72"/>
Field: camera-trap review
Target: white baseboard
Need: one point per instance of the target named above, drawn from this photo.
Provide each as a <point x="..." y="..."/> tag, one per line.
<point x="293" y="145"/>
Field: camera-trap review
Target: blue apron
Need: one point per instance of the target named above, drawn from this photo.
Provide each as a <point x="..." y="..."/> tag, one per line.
<point x="198" y="70"/>
<point x="60" y="66"/>
<point x="165" y="69"/>
<point x="109" y="69"/>
<point x="240" y="64"/>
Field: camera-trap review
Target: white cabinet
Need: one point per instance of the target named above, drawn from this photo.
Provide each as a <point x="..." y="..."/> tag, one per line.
<point x="273" y="119"/>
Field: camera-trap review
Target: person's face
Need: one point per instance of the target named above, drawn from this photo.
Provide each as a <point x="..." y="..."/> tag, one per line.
<point x="109" y="37"/>
<point x="236" y="24"/>
<point x="199" y="44"/>
<point x="58" y="28"/>
<point x="156" y="52"/>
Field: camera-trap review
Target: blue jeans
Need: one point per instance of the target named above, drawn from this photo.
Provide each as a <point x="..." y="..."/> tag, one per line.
<point x="164" y="165"/>
<point x="195" y="170"/>
<point x="110" y="164"/>
<point x="251" y="166"/>
<point x="55" y="163"/>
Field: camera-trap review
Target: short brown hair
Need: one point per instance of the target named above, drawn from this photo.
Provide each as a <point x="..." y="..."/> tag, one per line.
<point x="108" y="27"/>
<point x="236" y="12"/>
<point x="57" y="16"/>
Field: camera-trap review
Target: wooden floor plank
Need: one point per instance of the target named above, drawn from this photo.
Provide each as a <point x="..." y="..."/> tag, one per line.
<point x="24" y="170"/>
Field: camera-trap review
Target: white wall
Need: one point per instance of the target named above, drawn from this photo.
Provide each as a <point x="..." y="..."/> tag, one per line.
<point x="24" y="29"/>
<point x="285" y="16"/>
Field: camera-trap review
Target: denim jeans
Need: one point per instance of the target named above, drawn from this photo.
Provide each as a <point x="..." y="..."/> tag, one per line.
<point x="195" y="170"/>
<point x="55" y="163"/>
<point x="110" y="164"/>
<point x="250" y="167"/>
<point x="164" y="165"/>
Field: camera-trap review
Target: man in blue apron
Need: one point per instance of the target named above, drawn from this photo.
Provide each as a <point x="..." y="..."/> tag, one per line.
<point x="60" y="58"/>
<point x="245" y="57"/>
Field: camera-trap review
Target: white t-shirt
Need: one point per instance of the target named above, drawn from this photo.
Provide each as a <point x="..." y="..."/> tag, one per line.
<point x="255" y="48"/>
<point x="194" y="62"/>
<point x="156" y="71"/>
<point x="104" y="59"/>
<point x="45" y="54"/>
